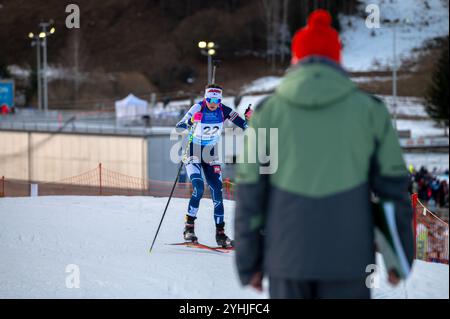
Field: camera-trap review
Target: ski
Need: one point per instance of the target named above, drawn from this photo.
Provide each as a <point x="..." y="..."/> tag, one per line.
<point x="201" y="246"/>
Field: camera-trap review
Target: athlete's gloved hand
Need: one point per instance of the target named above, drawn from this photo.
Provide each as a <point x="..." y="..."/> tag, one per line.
<point x="248" y="113"/>
<point x="181" y="127"/>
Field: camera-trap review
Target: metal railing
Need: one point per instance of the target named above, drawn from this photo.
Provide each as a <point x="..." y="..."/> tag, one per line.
<point x="86" y="122"/>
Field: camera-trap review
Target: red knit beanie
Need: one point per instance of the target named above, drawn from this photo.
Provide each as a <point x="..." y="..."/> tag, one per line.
<point x="317" y="38"/>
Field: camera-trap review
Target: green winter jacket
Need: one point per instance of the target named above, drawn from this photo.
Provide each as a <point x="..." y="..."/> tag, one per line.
<point x="311" y="219"/>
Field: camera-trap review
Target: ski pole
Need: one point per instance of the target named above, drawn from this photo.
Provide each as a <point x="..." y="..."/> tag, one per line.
<point x="175" y="183"/>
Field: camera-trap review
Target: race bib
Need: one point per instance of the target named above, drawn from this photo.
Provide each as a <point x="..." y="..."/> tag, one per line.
<point x="207" y="133"/>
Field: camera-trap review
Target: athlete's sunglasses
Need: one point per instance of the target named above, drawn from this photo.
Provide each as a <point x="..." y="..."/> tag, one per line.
<point x="213" y="100"/>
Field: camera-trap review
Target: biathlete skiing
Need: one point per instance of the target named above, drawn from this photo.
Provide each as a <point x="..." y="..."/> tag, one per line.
<point x="206" y="118"/>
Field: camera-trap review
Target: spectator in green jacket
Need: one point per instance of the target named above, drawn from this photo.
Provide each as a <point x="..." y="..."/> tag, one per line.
<point x="308" y="226"/>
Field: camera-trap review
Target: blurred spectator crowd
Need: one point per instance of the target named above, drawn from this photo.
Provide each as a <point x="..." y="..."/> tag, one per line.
<point x="430" y="187"/>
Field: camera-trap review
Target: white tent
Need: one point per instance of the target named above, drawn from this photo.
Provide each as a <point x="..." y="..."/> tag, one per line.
<point x="130" y="108"/>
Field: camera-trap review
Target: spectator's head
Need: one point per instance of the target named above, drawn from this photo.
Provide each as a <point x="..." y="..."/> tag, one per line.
<point x="4" y="109"/>
<point x="318" y="38"/>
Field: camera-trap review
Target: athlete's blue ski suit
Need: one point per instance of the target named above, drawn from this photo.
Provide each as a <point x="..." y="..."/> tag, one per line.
<point x="206" y="136"/>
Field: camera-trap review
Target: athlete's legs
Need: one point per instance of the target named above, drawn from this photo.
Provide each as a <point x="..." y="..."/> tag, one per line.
<point x="213" y="175"/>
<point x="195" y="175"/>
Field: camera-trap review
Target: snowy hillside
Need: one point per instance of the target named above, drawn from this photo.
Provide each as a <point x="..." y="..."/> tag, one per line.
<point x="422" y="21"/>
<point x="108" y="239"/>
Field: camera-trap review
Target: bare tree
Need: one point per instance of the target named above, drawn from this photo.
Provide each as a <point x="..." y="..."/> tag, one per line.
<point x="277" y="28"/>
<point x="285" y="34"/>
<point x="267" y="14"/>
<point x="75" y="58"/>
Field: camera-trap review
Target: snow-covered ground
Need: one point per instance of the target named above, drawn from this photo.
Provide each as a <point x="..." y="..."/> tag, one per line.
<point x="419" y="23"/>
<point x="420" y="128"/>
<point x="107" y="239"/>
<point x="427" y="281"/>
<point x="406" y="105"/>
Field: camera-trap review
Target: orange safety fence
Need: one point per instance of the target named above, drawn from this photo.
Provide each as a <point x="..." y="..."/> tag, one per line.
<point x="103" y="181"/>
<point x="431" y="234"/>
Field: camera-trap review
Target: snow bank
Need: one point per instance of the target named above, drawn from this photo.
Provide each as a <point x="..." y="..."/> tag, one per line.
<point x="264" y="84"/>
<point x="406" y="105"/>
<point x="421" y="128"/>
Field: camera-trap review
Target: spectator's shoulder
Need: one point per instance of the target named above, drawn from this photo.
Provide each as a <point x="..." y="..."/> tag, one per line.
<point x="374" y="99"/>
<point x="370" y="102"/>
<point x="263" y="104"/>
<point x="377" y="100"/>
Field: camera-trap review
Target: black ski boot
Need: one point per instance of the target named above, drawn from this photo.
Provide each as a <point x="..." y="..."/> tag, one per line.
<point x="222" y="239"/>
<point x="189" y="233"/>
